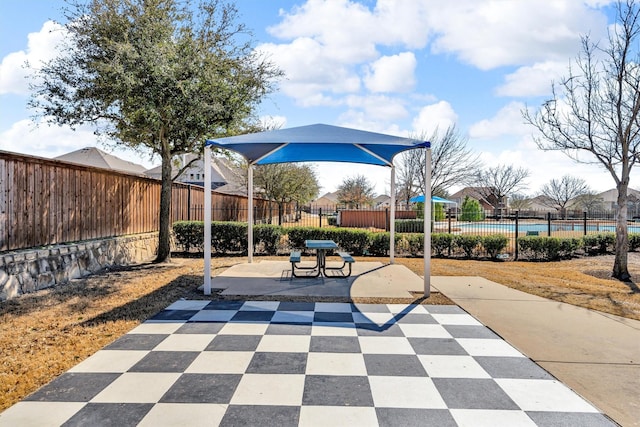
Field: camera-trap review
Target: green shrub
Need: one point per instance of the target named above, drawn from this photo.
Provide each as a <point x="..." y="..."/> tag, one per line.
<point x="441" y="243"/>
<point x="189" y="234"/>
<point x="355" y="242"/>
<point x="379" y="244"/>
<point x="297" y="235"/>
<point x="415" y="243"/>
<point x="494" y="244"/>
<point x="600" y="243"/>
<point x="229" y="237"/>
<point x="468" y="243"/>
<point x="634" y="241"/>
<point x="438" y="212"/>
<point x="268" y="237"/>
<point x="569" y="246"/>
<point x="531" y="247"/>
<point x="548" y="248"/>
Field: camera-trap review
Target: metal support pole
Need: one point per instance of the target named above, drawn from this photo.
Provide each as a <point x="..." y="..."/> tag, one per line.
<point x="517" y="221"/>
<point x="250" y="215"/>
<point x="427" y="223"/>
<point x="207" y="220"/>
<point x="392" y="220"/>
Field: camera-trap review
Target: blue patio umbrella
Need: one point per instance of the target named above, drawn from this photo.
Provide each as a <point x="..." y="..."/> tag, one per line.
<point x="312" y="143"/>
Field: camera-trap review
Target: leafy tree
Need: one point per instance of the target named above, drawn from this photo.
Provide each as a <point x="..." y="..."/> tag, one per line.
<point x="286" y="183"/>
<point x="495" y="184"/>
<point x="471" y="210"/>
<point x="356" y="191"/>
<point x="593" y="115"/>
<point x="156" y="75"/>
<point x="559" y="192"/>
<point x="438" y="212"/>
<point x="452" y="163"/>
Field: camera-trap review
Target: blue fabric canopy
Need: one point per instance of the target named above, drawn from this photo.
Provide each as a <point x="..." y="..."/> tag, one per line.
<point x="434" y="199"/>
<point x="314" y="143"/>
<point x="317" y="143"/>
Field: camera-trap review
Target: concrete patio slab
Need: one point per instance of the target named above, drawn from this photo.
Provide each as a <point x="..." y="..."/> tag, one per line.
<point x="270" y="278"/>
<point x="596" y="354"/>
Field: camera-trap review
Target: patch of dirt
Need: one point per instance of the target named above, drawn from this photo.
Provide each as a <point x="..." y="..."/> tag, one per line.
<point x="44" y="334"/>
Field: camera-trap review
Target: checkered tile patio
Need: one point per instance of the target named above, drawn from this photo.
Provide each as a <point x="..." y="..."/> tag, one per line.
<point x="237" y="363"/>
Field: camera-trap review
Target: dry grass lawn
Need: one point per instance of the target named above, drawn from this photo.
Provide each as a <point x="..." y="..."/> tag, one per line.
<point x="44" y="334"/>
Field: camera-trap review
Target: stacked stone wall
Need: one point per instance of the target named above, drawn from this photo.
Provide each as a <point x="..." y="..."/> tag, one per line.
<point x="29" y="271"/>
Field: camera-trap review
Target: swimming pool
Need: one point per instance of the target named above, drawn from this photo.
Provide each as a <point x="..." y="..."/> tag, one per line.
<point x="541" y="227"/>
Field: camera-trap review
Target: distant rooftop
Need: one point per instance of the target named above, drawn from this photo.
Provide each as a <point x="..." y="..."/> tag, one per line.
<point x="91" y="156"/>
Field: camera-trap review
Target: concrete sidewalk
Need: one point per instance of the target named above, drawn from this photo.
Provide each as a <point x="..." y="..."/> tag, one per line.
<point x="596" y="354"/>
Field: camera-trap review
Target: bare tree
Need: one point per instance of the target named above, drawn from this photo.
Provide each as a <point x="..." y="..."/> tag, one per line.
<point x="452" y="163"/>
<point x="495" y="184"/>
<point x="557" y="193"/>
<point x="519" y="202"/>
<point x="287" y="182"/>
<point x="596" y="111"/>
<point x="590" y="202"/>
<point x="355" y="191"/>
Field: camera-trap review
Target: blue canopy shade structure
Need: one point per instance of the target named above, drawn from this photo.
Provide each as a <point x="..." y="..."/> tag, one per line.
<point x="434" y="199"/>
<point x="317" y="143"/>
<point x="313" y="143"/>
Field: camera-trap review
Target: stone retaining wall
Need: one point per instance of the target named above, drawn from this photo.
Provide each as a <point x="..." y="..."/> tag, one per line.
<point x="32" y="270"/>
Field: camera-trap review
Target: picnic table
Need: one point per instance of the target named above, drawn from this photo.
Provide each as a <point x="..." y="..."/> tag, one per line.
<point x="321" y="247"/>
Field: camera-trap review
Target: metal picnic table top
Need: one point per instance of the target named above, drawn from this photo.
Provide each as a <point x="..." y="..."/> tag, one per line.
<point x="320" y="244"/>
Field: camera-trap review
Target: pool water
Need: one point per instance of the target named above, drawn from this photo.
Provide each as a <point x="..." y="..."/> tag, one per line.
<point x="540" y="227"/>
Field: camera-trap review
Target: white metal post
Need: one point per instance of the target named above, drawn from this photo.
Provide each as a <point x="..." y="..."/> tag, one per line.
<point x="427" y="222"/>
<point x="207" y="220"/>
<point x="392" y="220"/>
<point x="250" y="214"/>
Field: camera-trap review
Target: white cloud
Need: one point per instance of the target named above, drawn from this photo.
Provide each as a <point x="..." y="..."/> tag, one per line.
<point x="493" y="33"/>
<point x="394" y="73"/>
<point x="51" y="141"/>
<point x="534" y="80"/>
<point x="41" y="47"/>
<point x="507" y="121"/>
<point x="378" y="107"/>
<point x="310" y="71"/>
<point x="435" y="116"/>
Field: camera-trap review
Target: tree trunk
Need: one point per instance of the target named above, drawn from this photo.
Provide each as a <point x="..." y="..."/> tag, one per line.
<point x="620" y="269"/>
<point x="164" y="242"/>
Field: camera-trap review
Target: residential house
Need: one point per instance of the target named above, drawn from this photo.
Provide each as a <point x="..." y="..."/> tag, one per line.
<point x="91" y="156"/>
<point x="477" y="193"/>
<point x="382" y="201"/>
<point x="224" y="173"/>
<point x="329" y="199"/>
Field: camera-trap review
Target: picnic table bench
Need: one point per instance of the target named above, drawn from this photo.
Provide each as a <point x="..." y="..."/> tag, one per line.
<point x="321" y="246"/>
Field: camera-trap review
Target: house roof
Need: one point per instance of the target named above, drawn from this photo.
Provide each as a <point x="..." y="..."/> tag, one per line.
<point x="222" y="170"/>
<point x="91" y="156"/>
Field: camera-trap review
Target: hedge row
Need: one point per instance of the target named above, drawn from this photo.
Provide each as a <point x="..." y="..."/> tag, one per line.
<point x="227" y="237"/>
<point x="231" y="237"/>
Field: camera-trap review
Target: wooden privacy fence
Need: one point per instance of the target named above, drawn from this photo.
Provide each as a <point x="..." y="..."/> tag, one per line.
<point x="45" y="202"/>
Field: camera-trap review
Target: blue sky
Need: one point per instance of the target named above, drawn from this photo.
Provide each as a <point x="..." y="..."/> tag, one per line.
<point x="399" y="67"/>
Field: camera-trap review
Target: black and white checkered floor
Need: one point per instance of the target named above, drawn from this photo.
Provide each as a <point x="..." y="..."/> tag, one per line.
<point x="238" y="363"/>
